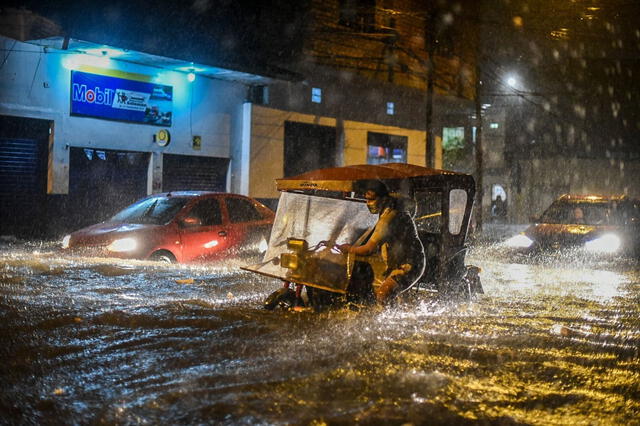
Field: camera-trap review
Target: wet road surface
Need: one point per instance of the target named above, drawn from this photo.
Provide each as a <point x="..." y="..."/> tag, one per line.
<point x="91" y="341"/>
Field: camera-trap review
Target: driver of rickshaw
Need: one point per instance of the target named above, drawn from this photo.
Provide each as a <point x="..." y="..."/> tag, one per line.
<point x="395" y="239"/>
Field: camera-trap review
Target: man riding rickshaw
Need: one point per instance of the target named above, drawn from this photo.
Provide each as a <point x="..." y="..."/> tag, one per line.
<point x="369" y="233"/>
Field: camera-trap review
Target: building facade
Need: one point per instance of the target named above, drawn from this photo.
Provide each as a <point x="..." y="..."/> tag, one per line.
<point x="88" y="128"/>
<point x="85" y="132"/>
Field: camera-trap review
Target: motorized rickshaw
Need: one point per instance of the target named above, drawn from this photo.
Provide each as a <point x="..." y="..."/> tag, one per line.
<point x="323" y="208"/>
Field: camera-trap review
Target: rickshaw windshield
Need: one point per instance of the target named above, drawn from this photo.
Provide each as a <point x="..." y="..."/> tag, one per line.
<point x="313" y="219"/>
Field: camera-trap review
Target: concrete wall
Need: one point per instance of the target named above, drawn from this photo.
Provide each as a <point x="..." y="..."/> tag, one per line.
<point x="267" y="146"/>
<point x="35" y="83"/>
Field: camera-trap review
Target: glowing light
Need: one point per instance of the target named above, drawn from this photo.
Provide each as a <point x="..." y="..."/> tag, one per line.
<point x="65" y="241"/>
<point x="519" y="241"/>
<point x="122" y="245"/>
<point x="511" y="81"/>
<point x="517" y="21"/>
<point x="560" y="34"/>
<point x="75" y="62"/>
<point x="191" y="77"/>
<point x="608" y="243"/>
<point x="104" y="51"/>
<point x="211" y="244"/>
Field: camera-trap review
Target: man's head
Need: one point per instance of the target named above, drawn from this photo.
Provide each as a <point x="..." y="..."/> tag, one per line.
<point x="578" y="214"/>
<point x="376" y="194"/>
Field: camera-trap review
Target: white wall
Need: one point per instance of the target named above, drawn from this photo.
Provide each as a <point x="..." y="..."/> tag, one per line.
<point x="35" y="83"/>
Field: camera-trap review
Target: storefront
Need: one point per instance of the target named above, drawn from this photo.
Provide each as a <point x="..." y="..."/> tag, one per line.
<point x="88" y="128"/>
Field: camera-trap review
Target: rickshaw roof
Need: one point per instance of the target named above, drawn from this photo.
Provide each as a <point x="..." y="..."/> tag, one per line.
<point x="351" y="178"/>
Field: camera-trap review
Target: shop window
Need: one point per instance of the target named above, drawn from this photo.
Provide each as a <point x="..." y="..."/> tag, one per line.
<point x="383" y="148"/>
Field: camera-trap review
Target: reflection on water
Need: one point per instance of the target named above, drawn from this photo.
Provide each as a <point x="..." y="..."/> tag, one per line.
<point x="103" y="340"/>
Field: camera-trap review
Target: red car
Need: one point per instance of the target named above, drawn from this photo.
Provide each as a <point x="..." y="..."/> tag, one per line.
<point x="179" y="227"/>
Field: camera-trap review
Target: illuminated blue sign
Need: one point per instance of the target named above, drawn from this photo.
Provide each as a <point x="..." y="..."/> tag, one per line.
<point x="114" y="98"/>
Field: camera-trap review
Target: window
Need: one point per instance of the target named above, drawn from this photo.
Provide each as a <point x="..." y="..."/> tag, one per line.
<point x="383" y="148"/>
<point x="158" y="211"/>
<point x="428" y="216"/>
<point x="579" y="213"/>
<point x="457" y="153"/>
<point x="241" y="210"/>
<point x="457" y="204"/>
<point x="390" y="108"/>
<point x="452" y="138"/>
<point x="316" y="95"/>
<point x="208" y="211"/>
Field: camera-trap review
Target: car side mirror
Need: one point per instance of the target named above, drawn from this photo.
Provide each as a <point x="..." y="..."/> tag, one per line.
<point x="191" y="221"/>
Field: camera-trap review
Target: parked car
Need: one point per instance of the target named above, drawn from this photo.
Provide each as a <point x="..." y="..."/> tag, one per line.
<point x="179" y="226"/>
<point x="595" y="224"/>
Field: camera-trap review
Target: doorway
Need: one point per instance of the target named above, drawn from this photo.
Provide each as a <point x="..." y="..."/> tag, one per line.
<point x="102" y="182"/>
<point x="308" y="147"/>
<point x="23" y="176"/>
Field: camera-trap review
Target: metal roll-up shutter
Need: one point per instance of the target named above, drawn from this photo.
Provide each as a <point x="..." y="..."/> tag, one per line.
<point x="194" y="173"/>
<point x="22" y="175"/>
<point x="102" y="182"/>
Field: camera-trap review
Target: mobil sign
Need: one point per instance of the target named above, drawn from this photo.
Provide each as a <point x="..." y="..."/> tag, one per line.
<point x="113" y="98"/>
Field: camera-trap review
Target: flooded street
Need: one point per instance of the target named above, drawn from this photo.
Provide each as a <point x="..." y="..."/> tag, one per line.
<point x="85" y="340"/>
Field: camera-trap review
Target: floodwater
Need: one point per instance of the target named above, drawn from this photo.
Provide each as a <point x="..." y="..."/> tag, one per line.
<point x="86" y="341"/>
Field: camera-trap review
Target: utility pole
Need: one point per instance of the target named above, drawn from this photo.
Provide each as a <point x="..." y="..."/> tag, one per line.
<point x="478" y="149"/>
<point x="430" y="140"/>
<point x="430" y="42"/>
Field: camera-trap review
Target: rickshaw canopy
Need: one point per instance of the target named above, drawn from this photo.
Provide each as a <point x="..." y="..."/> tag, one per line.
<point x="399" y="177"/>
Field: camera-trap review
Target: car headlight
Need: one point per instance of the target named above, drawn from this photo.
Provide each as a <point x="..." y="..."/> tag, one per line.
<point x="123" y="244"/>
<point x="65" y="241"/>
<point x="519" y="241"/>
<point x="608" y="243"/>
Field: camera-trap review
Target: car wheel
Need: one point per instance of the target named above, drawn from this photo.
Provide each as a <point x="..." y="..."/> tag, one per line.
<point x="163" y="256"/>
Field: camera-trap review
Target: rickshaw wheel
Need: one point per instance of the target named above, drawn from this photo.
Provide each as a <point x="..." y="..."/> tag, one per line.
<point x="322" y="300"/>
<point x="284" y="298"/>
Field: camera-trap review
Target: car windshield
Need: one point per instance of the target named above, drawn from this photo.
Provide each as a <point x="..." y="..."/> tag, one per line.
<point x="155" y="211"/>
<point x="578" y="213"/>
